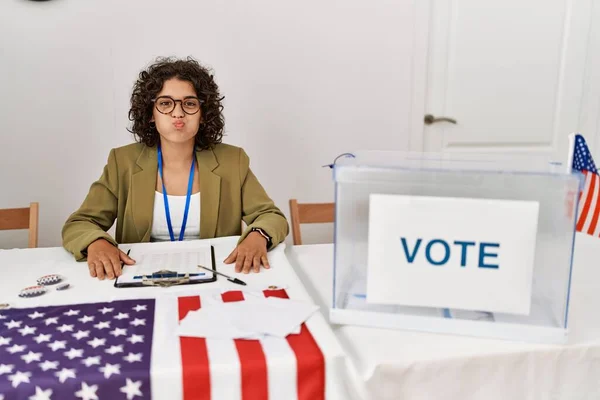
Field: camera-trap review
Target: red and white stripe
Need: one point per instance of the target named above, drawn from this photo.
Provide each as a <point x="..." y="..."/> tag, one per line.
<point x="270" y="368"/>
<point x="589" y="205"/>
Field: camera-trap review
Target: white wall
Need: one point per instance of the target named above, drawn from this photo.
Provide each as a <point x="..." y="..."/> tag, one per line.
<point x="589" y="119"/>
<point x="303" y="80"/>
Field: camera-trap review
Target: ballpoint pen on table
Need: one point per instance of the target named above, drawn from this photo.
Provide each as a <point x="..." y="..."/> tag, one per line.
<point x="123" y="262"/>
<point x="229" y="278"/>
<point x="169" y="275"/>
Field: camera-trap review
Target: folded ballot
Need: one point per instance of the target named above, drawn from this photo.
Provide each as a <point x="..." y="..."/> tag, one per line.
<point x="254" y="318"/>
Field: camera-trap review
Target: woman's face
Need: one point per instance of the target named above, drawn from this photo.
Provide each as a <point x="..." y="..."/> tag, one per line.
<point x="176" y="111"/>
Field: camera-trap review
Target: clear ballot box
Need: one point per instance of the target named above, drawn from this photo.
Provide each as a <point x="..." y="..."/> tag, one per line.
<point x="470" y="244"/>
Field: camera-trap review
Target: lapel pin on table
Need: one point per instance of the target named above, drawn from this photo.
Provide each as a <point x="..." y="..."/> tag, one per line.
<point x="229" y="278"/>
<point x="49" y="279"/>
<point x="32" y="291"/>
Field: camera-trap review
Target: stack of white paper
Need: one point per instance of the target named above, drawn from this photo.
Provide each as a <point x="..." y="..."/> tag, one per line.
<point x="181" y="257"/>
<point x="253" y="318"/>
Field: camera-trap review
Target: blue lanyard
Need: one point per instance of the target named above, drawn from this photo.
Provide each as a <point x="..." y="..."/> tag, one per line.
<point x="187" y="196"/>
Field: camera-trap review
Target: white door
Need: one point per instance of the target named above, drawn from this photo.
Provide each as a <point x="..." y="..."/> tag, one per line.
<point x="509" y="72"/>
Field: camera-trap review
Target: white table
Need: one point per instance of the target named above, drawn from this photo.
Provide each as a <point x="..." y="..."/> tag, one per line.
<point x="395" y="364"/>
<point x="21" y="268"/>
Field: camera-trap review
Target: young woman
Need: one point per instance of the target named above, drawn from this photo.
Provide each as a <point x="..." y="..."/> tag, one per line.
<point x="179" y="182"/>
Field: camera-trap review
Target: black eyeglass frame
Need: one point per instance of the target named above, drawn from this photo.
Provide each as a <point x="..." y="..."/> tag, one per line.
<point x="175" y="104"/>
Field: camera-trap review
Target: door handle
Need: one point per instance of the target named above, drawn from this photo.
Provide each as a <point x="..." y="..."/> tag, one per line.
<point x="430" y="119"/>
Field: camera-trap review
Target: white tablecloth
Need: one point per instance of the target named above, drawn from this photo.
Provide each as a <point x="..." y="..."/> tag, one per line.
<point x="395" y="364"/>
<point x="21" y="268"/>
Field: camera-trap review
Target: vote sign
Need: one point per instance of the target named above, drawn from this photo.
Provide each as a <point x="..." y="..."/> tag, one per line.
<point x="463" y="253"/>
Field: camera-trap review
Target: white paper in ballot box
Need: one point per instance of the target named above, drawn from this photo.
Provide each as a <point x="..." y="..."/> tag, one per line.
<point x="460" y="253"/>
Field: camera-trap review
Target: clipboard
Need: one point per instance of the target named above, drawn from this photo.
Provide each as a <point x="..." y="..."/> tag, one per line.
<point x="168" y="278"/>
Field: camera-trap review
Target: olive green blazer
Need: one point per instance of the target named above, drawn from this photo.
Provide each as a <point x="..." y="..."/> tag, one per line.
<point x="229" y="193"/>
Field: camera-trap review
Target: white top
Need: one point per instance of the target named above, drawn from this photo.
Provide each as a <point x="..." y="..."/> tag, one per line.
<point x="160" y="229"/>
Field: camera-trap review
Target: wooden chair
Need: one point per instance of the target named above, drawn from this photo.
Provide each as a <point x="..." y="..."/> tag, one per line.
<point x="309" y="213"/>
<point x="22" y="218"/>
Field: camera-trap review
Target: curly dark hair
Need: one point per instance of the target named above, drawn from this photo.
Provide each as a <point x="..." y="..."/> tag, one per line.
<point x="150" y="83"/>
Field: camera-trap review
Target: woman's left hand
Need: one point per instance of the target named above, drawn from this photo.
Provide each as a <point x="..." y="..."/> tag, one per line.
<point x="250" y="254"/>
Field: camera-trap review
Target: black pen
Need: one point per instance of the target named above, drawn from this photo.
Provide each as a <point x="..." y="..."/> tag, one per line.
<point x="229" y="278"/>
<point x="123" y="262"/>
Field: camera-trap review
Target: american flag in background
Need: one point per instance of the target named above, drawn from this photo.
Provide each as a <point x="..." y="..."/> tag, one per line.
<point x="85" y="351"/>
<point x="589" y="206"/>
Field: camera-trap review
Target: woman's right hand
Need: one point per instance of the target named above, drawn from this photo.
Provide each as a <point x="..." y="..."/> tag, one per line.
<point x="104" y="259"/>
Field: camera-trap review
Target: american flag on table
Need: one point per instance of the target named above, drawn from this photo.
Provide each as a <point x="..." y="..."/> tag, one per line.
<point x="105" y="351"/>
<point x="589" y="208"/>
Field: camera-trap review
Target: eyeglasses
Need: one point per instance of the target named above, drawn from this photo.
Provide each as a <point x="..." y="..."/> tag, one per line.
<point x="166" y="104"/>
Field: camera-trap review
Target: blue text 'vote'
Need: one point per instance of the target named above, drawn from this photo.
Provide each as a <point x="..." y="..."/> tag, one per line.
<point x="486" y="250"/>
